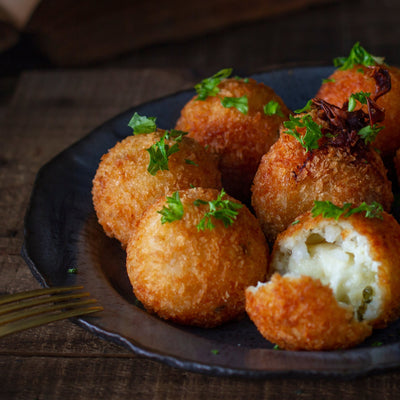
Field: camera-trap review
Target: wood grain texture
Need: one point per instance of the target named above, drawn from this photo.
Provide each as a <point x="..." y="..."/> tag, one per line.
<point x="116" y="377"/>
<point x="74" y="33"/>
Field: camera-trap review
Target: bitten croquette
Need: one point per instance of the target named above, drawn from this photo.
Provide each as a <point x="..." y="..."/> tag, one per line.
<point x="333" y="280"/>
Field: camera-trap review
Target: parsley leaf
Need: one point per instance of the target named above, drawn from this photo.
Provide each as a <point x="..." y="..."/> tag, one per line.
<point x="174" y="209"/>
<point x="240" y="103"/>
<point x="175" y="134"/>
<point x="191" y="162"/>
<point x="209" y="86"/>
<point x="329" y="210"/>
<point x="273" y="108"/>
<point x="369" y="133"/>
<point x="358" y="56"/>
<point x="359" y="96"/>
<point x="224" y="210"/>
<point x="373" y="210"/>
<point x="313" y="131"/>
<point x="160" y="151"/>
<point x="141" y="124"/>
<point x="328" y="80"/>
<point x="307" y="107"/>
<point x="238" y="78"/>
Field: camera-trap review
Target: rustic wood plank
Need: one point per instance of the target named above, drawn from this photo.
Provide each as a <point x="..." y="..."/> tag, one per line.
<point x="115" y="377"/>
<point x="71" y="33"/>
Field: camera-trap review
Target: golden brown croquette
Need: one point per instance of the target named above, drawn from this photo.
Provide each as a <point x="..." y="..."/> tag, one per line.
<point x="343" y="169"/>
<point x="342" y="83"/>
<point x="238" y="139"/>
<point x="123" y="188"/>
<point x="192" y="276"/>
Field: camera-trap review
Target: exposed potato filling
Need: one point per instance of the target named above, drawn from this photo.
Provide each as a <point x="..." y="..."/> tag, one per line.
<point x="339" y="256"/>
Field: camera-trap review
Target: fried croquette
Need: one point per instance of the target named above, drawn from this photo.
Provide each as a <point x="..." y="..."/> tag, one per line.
<point x="195" y="276"/>
<point x="123" y="187"/>
<point x="299" y="313"/>
<point x="343" y="83"/>
<point x="334" y="280"/>
<point x="239" y="139"/>
<point x="343" y="169"/>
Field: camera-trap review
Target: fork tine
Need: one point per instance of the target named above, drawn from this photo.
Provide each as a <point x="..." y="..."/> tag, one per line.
<point x="42" y="320"/>
<point x="9" y="298"/>
<point x="37" y="307"/>
<point x="24" y="304"/>
<point x="14" y="316"/>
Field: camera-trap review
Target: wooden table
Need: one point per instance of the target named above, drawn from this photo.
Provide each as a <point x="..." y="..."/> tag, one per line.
<point x="48" y="112"/>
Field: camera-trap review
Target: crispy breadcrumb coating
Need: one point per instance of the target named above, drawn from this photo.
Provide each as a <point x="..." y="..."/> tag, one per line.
<point x="299" y="313"/>
<point x="238" y="139"/>
<point x="191" y="276"/>
<point x="123" y="188"/>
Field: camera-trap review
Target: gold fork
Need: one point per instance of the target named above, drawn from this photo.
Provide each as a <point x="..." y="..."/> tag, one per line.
<point x="29" y="309"/>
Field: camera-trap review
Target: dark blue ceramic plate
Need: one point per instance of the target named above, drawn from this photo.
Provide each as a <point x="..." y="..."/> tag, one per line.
<point x="61" y="231"/>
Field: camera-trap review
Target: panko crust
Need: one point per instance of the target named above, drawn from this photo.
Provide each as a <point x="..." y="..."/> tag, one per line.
<point x="342" y="83"/>
<point x="302" y="314"/>
<point x="122" y="187"/>
<point x="195" y="277"/>
<point x="383" y="236"/>
<point x="288" y="180"/>
<point x="239" y="140"/>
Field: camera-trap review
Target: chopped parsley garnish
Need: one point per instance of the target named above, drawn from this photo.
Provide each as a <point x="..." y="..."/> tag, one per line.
<point x="238" y="78"/>
<point x="191" y="162"/>
<point x="141" y="124"/>
<point x="313" y="131"/>
<point x="240" y="103"/>
<point x="174" y="209"/>
<point x="160" y="151"/>
<point x="369" y="133"/>
<point x="328" y="80"/>
<point x="359" y="96"/>
<point x="329" y="210"/>
<point x="307" y="107"/>
<point x="209" y="86"/>
<point x="273" y="108"/>
<point x="72" y="270"/>
<point x="215" y="351"/>
<point x="358" y="56"/>
<point x="224" y="210"/>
